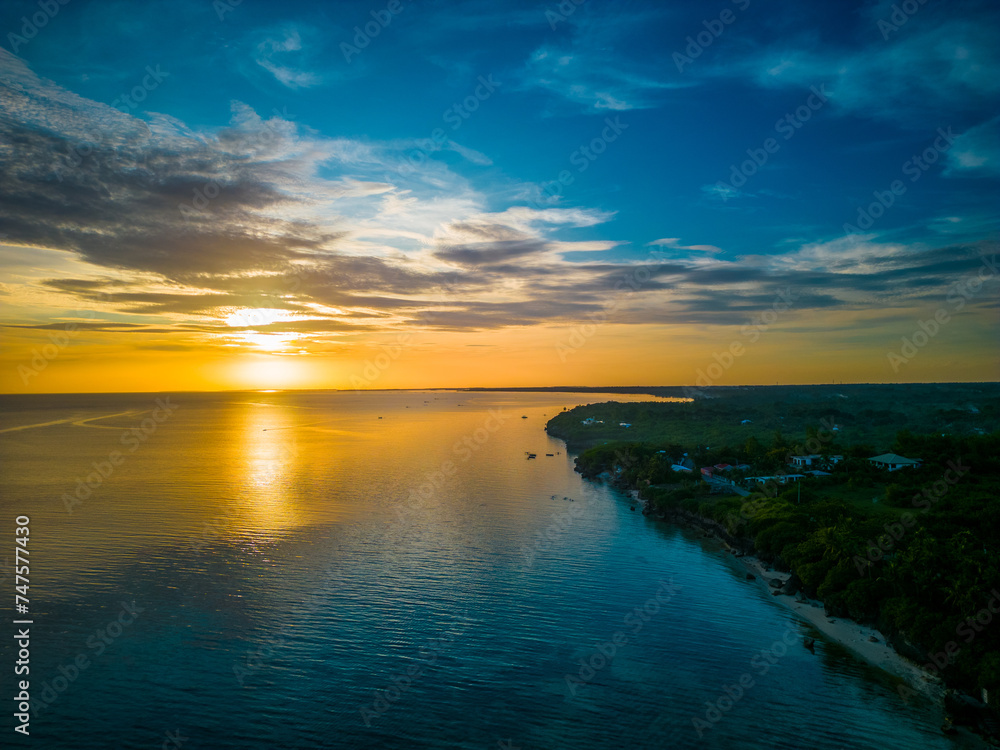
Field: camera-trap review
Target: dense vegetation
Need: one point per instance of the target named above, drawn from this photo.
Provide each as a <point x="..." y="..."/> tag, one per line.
<point x="915" y="552"/>
<point x="864" y="414"/>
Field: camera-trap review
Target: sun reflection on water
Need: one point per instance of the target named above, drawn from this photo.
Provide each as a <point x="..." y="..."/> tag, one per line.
<point x="267" y="464"/>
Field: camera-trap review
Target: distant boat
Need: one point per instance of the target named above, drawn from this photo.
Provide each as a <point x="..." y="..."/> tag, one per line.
<point x="524" y="416"/>
<point x="532" y="455"/>
<point x="550" y="454"/>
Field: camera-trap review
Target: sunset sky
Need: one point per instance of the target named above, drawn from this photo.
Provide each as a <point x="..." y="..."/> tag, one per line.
<point x="199" y="195"/>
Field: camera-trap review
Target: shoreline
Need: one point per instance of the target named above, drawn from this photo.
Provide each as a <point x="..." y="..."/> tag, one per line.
<point x="851" y="635"/>
<point x="855" y="638"/>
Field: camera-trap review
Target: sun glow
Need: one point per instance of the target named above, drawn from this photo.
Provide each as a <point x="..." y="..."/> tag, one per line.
<point x="252" y="317"/>
<point x="272" y="372"/>
<point x="270" y="342"/>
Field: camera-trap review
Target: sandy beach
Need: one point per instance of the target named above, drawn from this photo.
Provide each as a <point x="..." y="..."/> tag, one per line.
<point x="865" y="642"/>
<point x="858" y="639"/>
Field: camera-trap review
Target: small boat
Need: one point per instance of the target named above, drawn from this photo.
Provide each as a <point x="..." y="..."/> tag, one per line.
<point x="532" y="455"/>
<point x="550" y="454"/>
<point x="524" y="416"/>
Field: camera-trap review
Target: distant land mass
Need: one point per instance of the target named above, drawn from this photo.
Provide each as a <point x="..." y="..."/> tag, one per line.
<point x="726" y="415"/>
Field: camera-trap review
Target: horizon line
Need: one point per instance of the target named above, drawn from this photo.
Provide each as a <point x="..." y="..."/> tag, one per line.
<point x="510" y="389"/>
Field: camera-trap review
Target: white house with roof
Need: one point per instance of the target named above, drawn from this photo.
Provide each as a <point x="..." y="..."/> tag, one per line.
<point x="802" y="461"/>
<point x="894" y="462"/>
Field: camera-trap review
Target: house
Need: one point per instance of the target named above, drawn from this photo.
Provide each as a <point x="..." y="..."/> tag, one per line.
<point x="591" y="420"/>
<point x="722" y="467"/>
<point x="803" y="461"/>
<point x="746" y="421"/>
<point x="624" y="424"/>
<point x="818" y="473"/>
<point x="894" y="462"/>
<point x="706" y="471"/>
<point x="679" y="467"/>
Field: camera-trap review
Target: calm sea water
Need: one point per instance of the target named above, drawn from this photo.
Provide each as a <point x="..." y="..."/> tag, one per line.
<point x="387" y="570"/>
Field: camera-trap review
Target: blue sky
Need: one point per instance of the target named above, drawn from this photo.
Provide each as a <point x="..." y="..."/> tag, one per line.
<point x="369" y="165"/>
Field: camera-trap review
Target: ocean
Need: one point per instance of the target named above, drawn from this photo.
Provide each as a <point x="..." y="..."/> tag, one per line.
<point x="388" y="570"/>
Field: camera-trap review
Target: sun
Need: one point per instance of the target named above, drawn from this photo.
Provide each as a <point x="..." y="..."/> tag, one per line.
<point x="271" y="372"/>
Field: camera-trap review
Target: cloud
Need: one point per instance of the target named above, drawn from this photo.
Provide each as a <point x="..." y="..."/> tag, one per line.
<point x="596" y="81"/>
<point x="601" y="62"/>
<point x="469" y="154"/>
<point x="976" y="152"/>
<point x="942" y="59"/>
<point x="276" y="47"/>
<point x="674" y="243"/>
<point x="266" y="213"/>
<point x="722" y="191"/>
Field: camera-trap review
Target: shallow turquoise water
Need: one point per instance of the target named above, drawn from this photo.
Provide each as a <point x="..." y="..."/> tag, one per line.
<point x="293" y="588"/>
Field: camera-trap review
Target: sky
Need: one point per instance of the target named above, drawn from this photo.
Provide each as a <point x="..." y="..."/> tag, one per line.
<point x="200" y="195"/>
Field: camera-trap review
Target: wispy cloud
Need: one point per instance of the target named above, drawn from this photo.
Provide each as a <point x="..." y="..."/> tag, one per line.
<point x="591" y="81"/>
<point x="976" y="152"/>
<point x="275" y="52"/>
<point x="940" y="61"/>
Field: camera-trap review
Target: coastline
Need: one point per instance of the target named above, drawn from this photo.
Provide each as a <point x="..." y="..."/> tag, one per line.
<point x="856" y="639"/>
<point x="850" y="635"/>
